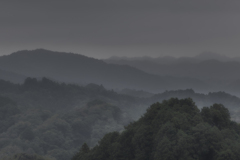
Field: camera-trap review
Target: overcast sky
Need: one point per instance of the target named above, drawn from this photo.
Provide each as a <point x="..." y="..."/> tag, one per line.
<point x="101" y="28"/>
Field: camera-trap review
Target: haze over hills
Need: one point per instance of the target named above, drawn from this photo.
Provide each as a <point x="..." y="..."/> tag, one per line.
<point x="55" y="119"/>
<point x="79" y="69"/>
<point x="172" y="130"/>
<point x="67" y="94"/>
<point x="170" y="59"/>
<point x="218" y="71"/>
<point x="10" y="76"/>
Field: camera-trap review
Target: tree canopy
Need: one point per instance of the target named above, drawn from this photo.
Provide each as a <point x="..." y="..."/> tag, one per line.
<point x="172" y="130"/>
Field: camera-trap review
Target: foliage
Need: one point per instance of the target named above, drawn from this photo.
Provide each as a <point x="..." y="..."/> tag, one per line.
<point x="53" y="119"/>
<point x="173" y="129"/>
<point x="23" y="156"/>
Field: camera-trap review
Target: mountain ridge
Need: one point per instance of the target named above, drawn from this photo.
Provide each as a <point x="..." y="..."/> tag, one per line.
<point x="171" y="59"/>
<point x="218" y="71"/>
<point x="75" y="68"/>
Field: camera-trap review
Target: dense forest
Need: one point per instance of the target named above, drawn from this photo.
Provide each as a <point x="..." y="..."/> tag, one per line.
<point x="47" y="118"/>
<point x="24" y="156"/>
<point x="51" y="119"/>
<point x="172" y="130"/>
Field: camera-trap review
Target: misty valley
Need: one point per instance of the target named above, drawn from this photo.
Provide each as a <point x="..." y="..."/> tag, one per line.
<point x="66" y="106"/>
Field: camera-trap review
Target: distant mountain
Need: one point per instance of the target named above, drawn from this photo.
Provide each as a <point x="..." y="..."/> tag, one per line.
<point x="161" y="60"/>
<point x="218" y="71"/>
<point x="209" y="69"/>
<point x="211" y="55"/>
<point x="204" y="56"/>
<point x="75" y="68"/>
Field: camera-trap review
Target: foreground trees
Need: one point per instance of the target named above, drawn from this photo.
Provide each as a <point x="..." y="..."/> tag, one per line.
<point x="24" y="156"/>
<point x="172" y="130"/>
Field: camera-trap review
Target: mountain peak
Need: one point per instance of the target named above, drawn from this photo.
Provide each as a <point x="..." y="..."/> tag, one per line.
<point x="38" y="51"/>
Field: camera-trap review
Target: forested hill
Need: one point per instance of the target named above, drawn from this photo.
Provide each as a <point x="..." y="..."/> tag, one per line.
<point x="172" y="130"/>
<point x="54" y="119"/>
<point x="228" y="100"/>
<point x="79" y="69"/>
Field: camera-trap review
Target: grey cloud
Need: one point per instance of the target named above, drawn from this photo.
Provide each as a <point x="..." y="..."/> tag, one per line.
<point x="118" y="23"/>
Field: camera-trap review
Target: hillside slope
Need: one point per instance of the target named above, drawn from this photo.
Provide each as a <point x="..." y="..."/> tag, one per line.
<point x="53" y="119"/>
<point x="173" y="129"/>
<point x="203" y="70"/>
<point x="75" y="68"/>
<point x="220" y="74"/>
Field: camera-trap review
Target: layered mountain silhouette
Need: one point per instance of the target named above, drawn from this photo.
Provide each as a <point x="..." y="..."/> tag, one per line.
<point x="170" y="60"/>
<point x="219" y="71"/>
<point x="79" y="69"/>
<point x="209" y="69"/>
